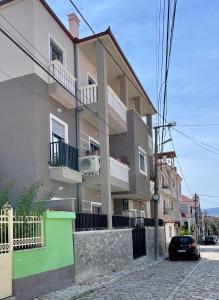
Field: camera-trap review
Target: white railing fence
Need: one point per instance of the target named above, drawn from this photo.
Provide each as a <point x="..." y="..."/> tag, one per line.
<point x="17" y="232"/>
<point x="6" y="236"/>
<point x="62" y="75"/>
<point x="88" y="94"/>
<point x="27" y="232"/>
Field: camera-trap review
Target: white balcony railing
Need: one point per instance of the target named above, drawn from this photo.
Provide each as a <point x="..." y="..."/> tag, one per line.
<point x="119" y="170"/>
<point x="89" y="96"/>
<point x="63" y="76"/>
<point x="116" y="104"/>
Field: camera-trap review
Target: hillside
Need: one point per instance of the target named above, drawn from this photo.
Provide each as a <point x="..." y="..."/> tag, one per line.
<point x="214" y="211"/>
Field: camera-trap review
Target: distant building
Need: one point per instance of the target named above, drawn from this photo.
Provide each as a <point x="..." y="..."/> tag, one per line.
<point x="170" y="193"/>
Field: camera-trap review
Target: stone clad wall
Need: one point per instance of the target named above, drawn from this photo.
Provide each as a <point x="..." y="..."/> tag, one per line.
<point x="101" y="252"/>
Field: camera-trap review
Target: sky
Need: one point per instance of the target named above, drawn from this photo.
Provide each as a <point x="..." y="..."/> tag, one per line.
<point x="193" y="84"/>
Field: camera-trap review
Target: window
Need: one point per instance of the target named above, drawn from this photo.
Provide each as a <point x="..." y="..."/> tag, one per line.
<point x="125" y="204"/>
<point x="142" y="161"/>
<point x="90" y="79"/>
<point x="55" y="52"/>
<point x="96" y="208"/>
<point x="94" y="145"/>
<point x="58" y="130"/>
<point x="172" y="204"/>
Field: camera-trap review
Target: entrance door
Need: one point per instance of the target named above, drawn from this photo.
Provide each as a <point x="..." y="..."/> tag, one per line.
<point x="6" y="247"/>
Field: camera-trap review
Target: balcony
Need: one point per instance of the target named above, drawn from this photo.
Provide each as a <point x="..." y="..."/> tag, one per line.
<point x="64" y="163"/>
<point x="62" y="94"/>
<point x="166" y="190"/>
<point x="119" y="173"/>
<point x="117" y="109"/>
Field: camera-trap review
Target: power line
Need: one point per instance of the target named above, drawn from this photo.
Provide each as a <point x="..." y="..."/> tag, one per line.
<point x="110" y="54"/>
<point x="197" y="125"/>
<point x="36" y="60"/>
<point x="199" y="143"/>
<point x="186" y="183"/>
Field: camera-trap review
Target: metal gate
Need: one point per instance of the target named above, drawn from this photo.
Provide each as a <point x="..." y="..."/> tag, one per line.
<point x="138" y="242"/>
<point x="6" y="248"/>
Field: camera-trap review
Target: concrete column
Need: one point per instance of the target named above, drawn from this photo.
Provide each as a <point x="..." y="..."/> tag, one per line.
<point x="137" y="104"/>
<point x="149" y="123"/>
<point x="105" y="190"/>
<point x="78" y="202"/>
<point x="124" y="89"/>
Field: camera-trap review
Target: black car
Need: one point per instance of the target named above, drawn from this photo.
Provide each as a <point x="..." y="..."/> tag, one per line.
<point x="182" y="247"/>
<point x="210" y="240"/>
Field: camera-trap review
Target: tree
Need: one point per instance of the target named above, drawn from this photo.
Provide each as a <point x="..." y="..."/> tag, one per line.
<point x="5" y="195"/>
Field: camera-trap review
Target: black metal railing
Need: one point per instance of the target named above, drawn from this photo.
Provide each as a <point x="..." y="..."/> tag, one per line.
<point x="88" y="221"/>
<point x="120" y="221"/>
<point x="62" y="154"/>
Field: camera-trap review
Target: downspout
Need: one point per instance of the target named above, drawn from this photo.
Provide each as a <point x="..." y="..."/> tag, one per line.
<point x="77" y="125"/>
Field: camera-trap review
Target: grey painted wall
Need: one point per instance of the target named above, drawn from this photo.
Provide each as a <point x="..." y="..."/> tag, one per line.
<point x="100" y="252"/>
<point x="149" y="231"/>
<point x="25" y="133"/>
<point x="126" y="145"/>
<point x="37" y="285"/>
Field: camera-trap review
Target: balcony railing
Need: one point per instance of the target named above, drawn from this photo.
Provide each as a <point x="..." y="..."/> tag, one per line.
<point x="117" y="105"/>
<point x="119" y="170"/>
<point x="63" y="76"/>
<point x="89" y="95"/>
<point x="63" y="155"/>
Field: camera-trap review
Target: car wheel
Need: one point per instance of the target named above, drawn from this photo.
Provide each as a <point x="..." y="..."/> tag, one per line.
<point x="196" y="257"/>
<point x="171" y="257"/>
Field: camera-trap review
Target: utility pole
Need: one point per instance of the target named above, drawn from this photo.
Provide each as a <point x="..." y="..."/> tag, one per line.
<point x="156" y="195"/>
<point x="196" y="218"/>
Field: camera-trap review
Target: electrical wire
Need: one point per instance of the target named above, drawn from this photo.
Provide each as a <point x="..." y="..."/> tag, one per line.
<point x="186" y="183"/>
<point x="36" y="60"/>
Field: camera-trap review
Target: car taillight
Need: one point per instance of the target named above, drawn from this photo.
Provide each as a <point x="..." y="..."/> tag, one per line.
<point x="192" y="245"/>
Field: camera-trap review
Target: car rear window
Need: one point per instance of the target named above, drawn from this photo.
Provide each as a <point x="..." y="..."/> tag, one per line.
<point x="209" y="238"/>
<point x="182" y="240"/>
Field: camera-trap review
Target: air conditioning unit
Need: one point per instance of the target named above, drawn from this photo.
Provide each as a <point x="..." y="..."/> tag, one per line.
<point x="89" y="165"/>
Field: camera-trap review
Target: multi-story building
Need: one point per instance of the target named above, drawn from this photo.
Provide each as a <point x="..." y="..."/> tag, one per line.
<point x="170" y="193"/>
<point x="191" y="214"/>
<point x="72" y="112"/>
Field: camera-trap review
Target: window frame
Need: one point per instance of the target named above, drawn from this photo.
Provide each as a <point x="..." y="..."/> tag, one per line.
<point x="59" y="46"/>
<point x="95" y="204"/>
<point x="92" y="78"/>
<point x="53" y="117"/>
<point x="142" y="152"/>
<point x="95" y="142"/>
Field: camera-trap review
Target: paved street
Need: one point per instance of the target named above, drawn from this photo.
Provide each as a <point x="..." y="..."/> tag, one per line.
<point x="169" y="280"/>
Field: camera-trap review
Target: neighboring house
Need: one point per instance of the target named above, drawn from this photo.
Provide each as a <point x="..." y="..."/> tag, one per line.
<point x="90" y="138"/>
<point x="190" y="211"/>
<point x="170" y="193"/>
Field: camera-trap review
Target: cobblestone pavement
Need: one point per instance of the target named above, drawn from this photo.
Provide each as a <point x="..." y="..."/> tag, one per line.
<point x="169" y="280"/>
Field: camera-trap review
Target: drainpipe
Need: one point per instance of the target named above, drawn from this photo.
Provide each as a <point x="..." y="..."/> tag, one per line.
<point x="77" y="125"/>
